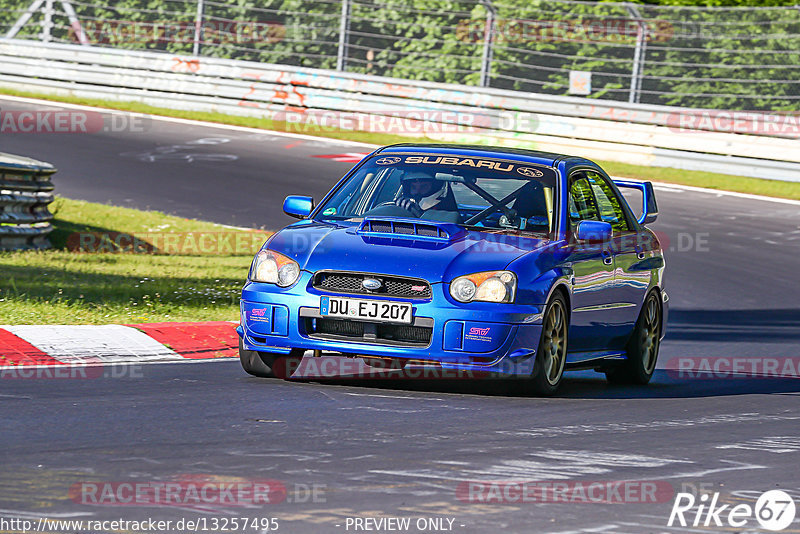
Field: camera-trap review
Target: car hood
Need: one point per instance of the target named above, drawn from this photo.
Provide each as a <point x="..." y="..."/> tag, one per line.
<point x="322" y="246"/>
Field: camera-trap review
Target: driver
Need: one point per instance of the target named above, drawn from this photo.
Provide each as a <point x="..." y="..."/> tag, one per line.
<point x="422" y="192"/>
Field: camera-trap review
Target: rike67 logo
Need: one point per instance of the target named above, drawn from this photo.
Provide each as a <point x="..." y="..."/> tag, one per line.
<point x="774" y="510"/>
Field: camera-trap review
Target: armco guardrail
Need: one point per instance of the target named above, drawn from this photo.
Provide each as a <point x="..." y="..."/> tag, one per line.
<point x="25" y="193"/>
<point x="604" y="130"/>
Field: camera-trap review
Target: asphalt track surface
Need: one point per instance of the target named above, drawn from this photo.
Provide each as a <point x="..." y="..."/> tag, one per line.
<point x="401" y="449"/>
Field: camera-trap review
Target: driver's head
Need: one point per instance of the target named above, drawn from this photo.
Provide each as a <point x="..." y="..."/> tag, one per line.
<point x="420" y="184"/>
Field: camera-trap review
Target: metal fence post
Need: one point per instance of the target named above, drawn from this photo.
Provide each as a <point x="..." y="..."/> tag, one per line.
<point x="488" y="41"/>
<point x="75" y="23"/>
<point x="24" y="19"/>
<point x="638" y="54"/>
<point x="47" y="22"/>
<point x="341" y="56"/>
<point x="198" y="28"/>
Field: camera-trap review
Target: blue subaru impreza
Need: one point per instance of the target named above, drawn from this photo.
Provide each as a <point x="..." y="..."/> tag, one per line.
<point x="512" y="262"/>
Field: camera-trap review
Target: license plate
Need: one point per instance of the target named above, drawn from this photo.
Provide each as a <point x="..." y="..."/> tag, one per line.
<point x="379" y="311"/>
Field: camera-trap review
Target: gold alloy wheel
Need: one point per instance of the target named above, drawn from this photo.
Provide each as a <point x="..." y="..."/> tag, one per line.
<point x="651" y="333"/>
<point x="554" y="342"/>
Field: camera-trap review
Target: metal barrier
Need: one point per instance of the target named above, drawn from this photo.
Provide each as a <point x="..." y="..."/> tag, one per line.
<point x="25" y="193"/>
<point x="604" y="130"/>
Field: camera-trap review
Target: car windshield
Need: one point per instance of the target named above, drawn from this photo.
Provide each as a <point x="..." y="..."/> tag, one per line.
<point x="474" y="192"/>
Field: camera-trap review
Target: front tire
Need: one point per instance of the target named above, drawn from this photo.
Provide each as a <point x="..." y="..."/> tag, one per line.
<point x="551" y="356"/>
<point x="268" y="364"/>
<point x="642" y="349"/>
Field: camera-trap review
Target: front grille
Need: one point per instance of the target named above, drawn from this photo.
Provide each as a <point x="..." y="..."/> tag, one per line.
<point x="388" y="334"/>
<point x="346" y="283"/>
<point x="391" y="286"/>
<point x="342" y="328"/>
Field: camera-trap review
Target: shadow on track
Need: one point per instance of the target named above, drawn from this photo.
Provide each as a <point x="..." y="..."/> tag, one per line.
<point x="584" y="385"/>
<point x="761" y="326"/>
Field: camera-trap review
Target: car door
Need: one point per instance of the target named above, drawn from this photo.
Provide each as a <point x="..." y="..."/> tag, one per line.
<point x="593" y="273"/>
<point x="630" y="283"/>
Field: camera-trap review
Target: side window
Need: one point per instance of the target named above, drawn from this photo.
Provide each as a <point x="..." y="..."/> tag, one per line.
<point x="608" y="203"/>
<point x="582" y="205"/>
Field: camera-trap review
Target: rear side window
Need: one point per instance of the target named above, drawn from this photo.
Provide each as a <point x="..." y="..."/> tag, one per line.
<point x="591" y="198"/>
<point x="608" y="203"/>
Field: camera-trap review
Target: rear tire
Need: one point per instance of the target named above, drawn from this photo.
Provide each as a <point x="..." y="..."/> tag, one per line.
<point x="642" y="348"/>
<point x="551" y="356"/>
<point x="269" y="364"/>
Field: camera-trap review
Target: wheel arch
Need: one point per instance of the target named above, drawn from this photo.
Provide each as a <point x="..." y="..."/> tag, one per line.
<point x="562" y="289"/>
<point x="660" y="296"/>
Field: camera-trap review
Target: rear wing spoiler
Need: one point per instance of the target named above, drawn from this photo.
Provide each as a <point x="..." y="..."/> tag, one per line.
<point x="649" y="205"/>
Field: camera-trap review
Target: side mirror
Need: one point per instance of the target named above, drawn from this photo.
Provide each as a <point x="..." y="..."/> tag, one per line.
<point x="593" y="231"/>
<point x="298" y="206"/>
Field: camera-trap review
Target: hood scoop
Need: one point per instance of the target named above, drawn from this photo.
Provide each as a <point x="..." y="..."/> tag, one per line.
<point x="399" y="227"/>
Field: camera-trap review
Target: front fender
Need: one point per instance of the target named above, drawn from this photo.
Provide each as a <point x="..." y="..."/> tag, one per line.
<point x="539" y="273"/>
<point x="539" y="290"/>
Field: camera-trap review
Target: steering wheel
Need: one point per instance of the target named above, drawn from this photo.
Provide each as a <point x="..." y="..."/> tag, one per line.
<point x="402" y="211"/>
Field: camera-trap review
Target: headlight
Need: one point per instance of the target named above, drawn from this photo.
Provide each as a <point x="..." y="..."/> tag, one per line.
<point x="491" y="286"/>
<point x="273" y="268"/>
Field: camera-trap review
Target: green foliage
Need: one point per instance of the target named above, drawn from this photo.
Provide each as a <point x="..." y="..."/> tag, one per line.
<point x="62" y="286"/>
<point x="732" y="57"/>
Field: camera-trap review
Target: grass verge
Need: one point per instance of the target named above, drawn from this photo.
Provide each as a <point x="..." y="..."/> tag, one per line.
<point x="191" y="270"/>
<point x="773" y="188"/>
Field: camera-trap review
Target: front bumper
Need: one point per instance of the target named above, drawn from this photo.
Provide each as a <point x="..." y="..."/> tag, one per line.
<point x="490" y="337"/>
